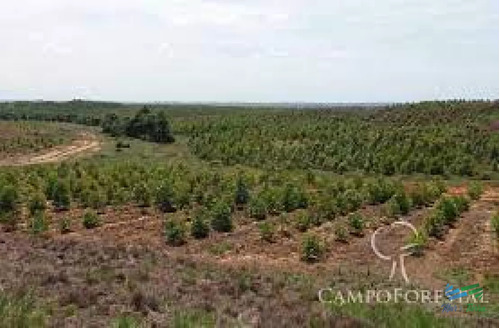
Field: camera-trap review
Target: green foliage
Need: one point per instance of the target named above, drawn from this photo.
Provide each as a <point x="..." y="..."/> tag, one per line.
<point x="461" y="203"/>
<point x="435" y="224"/>
<point x="494" y="223"/>
<point x="257" y="208"/>
<point x="221" y="217"/>
<point x="199" y="227"/>
<point x="304" y="221"/>
<point x="61" y="198"/>
<point x="357" y="224"/>
<point x="91" y="220"/>
<point x="174" y="233"/>
<point x="125" y="322"/>
<point x="419" y="240"/>
<point x="9" y="199"/>
<point x="20" y="311"/>
<point x="39" y="223"/>
<point x="266" y="231"/>
<point x="312" y="249"/>
<point x="293" y="198"/>
<point x="242" y="194"/>
<point x="341" y="233"/>
<point x="164" y="198"/>
<point x="475" y="190"/>
<point x="449" y="211"/>
<point x="37" y="203"/>
<point x="65" y="225"/>
<point x="142" y="195"/>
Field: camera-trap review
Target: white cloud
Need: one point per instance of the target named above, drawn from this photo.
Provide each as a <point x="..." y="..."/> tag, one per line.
<point x="270" y="50"/>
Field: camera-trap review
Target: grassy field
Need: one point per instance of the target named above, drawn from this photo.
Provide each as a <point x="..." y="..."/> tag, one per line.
<point x="244" y="217"/>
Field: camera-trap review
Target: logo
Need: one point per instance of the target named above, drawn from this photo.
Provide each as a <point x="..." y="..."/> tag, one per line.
<point x="400" y="256"/>
<point x="470" y="293"/>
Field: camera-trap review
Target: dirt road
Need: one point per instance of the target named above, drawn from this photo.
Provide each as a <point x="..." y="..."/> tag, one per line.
<point x="86" y="142"/>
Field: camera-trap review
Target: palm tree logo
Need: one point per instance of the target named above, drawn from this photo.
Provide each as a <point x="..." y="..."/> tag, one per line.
<point x="405" y="250"/>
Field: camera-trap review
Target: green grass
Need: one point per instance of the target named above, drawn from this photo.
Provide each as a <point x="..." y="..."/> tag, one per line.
<point x="21" y="311"/>
<point x="395" y="315"/>
<point x="188" y="318"/>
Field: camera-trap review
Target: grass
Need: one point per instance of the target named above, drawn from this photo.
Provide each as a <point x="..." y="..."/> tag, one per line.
<point x="188" y="318"/>
<point x="458" y="276"/>
<point x="395" y="315"/>
<point x="21" y="311"/>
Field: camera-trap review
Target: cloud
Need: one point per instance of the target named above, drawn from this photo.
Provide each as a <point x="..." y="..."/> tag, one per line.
<point x="228" y="50"/>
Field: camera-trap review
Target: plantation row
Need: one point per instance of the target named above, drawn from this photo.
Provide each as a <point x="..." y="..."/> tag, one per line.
<point x="343" y="142"/>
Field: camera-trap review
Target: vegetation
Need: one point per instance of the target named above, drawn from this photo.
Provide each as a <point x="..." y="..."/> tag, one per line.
<point x="199" y="227"/>
<point x="91" y="220"/>
<point x="174" y="233"/>
<point x="312" y="248"/>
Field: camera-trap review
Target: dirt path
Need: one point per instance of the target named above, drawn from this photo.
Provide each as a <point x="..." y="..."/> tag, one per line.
<point x="86" y="142"/>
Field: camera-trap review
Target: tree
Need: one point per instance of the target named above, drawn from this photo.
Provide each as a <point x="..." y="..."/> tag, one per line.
<point x="199" y="226"/>
<point x="242" y="195"/>
<point x="61" y="196"/>
<point x="221" y="217"/>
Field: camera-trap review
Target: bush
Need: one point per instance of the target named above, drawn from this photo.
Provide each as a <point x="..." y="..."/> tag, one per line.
<point x="266" y="231"/>
<point x="257" y="209"/>
<point x="303" y="222"/>
<point x="435" y="224"/>
<point x="448" y="210"/>
<point x="241" y="195"/>
<point x="61" y="196"/>
<point x="293" y="198"/>
<point x="357" y="223"/>
<point x="461" y="203"/>
<point x="9" y="199"/>
<point x="221" y="217"/>
<point x="418" y="239"/>
<point x="39" y="223"/>
<point x="164" y="198"/>
<point x="312" y="249"/>
<point x="174" y="233"/>
<point x="341" y="233"/>
<point x="142" y="195"/>
<point x="65" y="225"/>
<point x="199" y="226"/>
<point x="399" y="204"/>
<point x="494" y="223"/>
<point x="91" y="220"/>
<point x="37" y="203"/>
<point x="475" y="190"/>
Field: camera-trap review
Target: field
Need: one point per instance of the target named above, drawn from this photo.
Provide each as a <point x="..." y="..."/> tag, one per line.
<point x="201" y="216"/>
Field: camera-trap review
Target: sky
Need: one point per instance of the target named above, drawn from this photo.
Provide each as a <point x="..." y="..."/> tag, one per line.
<point x="249" y="51"/>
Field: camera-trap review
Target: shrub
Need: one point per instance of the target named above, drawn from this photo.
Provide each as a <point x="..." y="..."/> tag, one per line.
<point x="461" y="203"/>
<point x="303" y="222"/>
<point x="91" y="220"/>
<point x="435" y="224"/>
<point x="61" y="196"/>
<point x="293" y="198"/>
<point x="9" y="199"/>
<point x="352" y="199"/>
<point x="174" y="233"/>
<point x="266" y="231"/>
<point x="241" y="195"/>
<point x="257" y="209"/>
<point x="142" y="195"/>
<point x="418" y="239"/>
<point x="341" y="233"/>
<point x="221" y="217"/>
<point x="357" y="223"/>
<point x="448" y="210"/>
<point x="164" y="198"/>
<point x="39" y="223"/>
<point x="399" y="204"/>
<point x="65" y="225"/>
<point x="379" y="191"/>
<point x="474" y="190"/>
<point x="312" y="249"/>
<point x="37" y="203"/>
<point x="494" y="223"/>
<point x="199" y="226"/>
